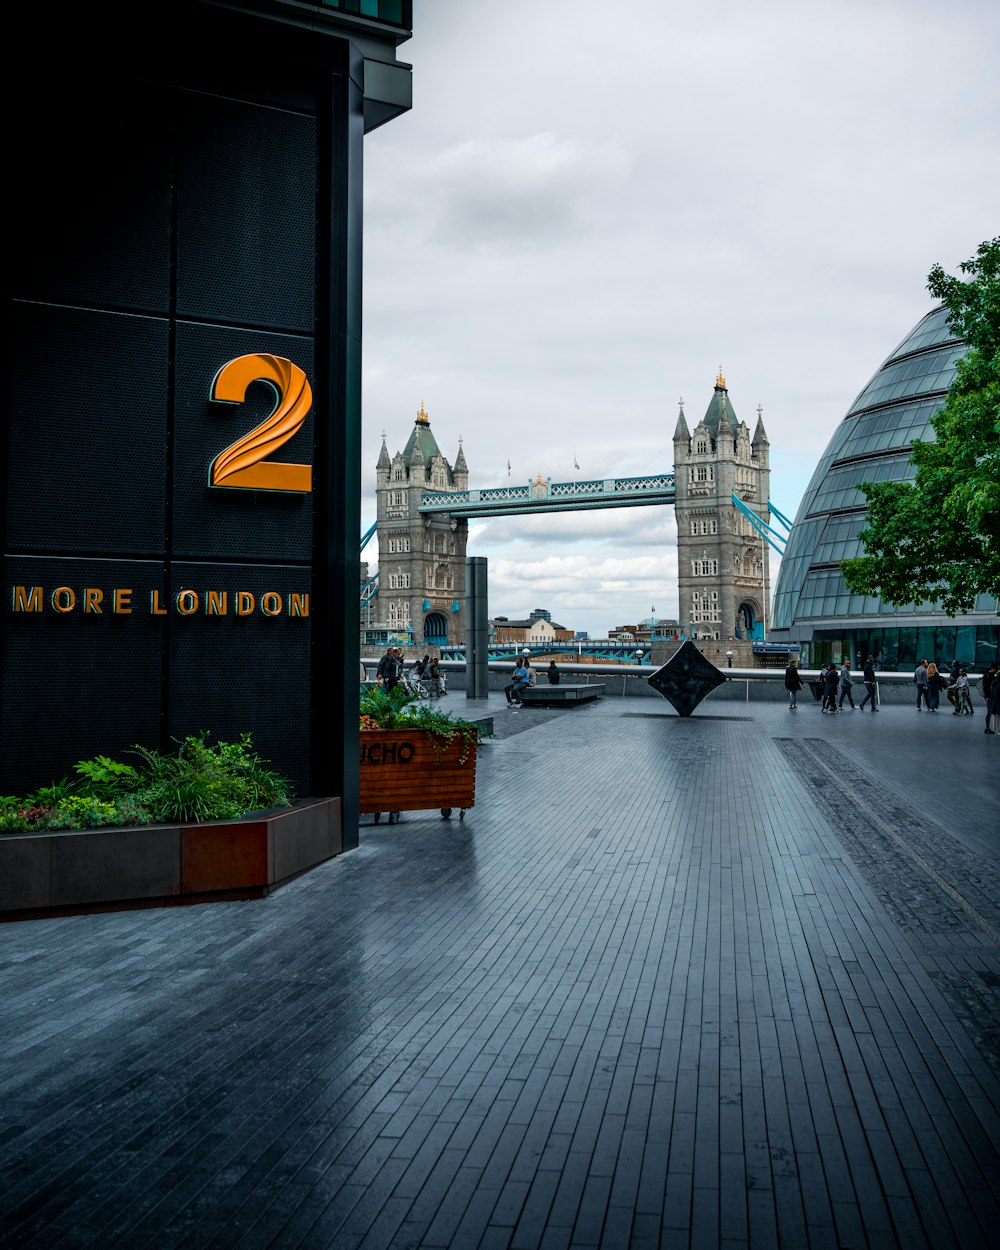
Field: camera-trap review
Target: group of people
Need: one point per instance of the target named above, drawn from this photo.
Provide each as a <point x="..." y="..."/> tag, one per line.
<point x="931" y="680"/>
<point x="837" y="683"/>
<point x="392" y="668"/>
<point x="428" y="672"/>
<point x="523" y="676"/>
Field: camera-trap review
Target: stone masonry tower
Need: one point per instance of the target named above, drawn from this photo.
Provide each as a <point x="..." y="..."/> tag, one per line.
<point x="723" y="575"/>
<point x="421" y="557"/>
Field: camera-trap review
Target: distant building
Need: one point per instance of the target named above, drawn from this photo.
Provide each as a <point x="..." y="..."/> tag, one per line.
<point x="873" y="443"/>
<point x="537" y="630"/>
<point x="652" y="629"/>
<point x="722" y="565"/>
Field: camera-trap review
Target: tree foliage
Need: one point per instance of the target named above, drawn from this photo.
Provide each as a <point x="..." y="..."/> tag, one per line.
<point x="937" y="538"/>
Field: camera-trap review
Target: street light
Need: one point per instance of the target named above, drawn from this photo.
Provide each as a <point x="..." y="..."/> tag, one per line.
<point x="526" y="651"/>
<point x="638" y="655"/>
<point x="729" y="658"/>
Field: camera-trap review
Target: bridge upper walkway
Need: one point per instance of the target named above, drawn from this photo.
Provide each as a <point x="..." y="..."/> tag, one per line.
<point x="547" y="496"/>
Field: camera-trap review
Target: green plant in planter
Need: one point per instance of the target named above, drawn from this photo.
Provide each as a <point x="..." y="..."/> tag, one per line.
<point x="397" y="709"/>
<point x="199" y="781"/>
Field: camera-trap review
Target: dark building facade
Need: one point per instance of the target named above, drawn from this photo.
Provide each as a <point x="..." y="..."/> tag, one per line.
<point x="181" y="468"/>
<point x="812" y="605"/>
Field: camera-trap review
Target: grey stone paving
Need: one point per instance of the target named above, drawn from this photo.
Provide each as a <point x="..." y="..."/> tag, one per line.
<point x="721" y="982"/>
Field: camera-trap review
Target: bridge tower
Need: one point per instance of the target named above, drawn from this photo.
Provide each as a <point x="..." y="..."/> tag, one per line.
<point x="421" y="558"/>
<point x="723" y="574"/>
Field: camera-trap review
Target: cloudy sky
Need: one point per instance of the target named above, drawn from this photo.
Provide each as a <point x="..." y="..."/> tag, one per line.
<point x="592" y="205"/>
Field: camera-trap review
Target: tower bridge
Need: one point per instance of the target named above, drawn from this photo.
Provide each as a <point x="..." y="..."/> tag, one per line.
<point x="548" y="496"/>
<point x="720" y="490"/>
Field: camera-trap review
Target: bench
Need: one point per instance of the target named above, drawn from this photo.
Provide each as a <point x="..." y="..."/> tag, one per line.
<point x="556" y="696"/>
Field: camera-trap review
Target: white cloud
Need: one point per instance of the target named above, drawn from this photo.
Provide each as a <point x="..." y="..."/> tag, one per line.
<point x="564" y="236"/>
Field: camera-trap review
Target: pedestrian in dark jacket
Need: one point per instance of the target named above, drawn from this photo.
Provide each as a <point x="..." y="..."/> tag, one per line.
<point x="920" y="681"/>
<point x="830" y="682"/>
<point x="845" y="687"/>
<point x="553" y="673"/>
<point x="793" y="684"/>
<point x="871" y="686"/>
<point x="989" y="685"/>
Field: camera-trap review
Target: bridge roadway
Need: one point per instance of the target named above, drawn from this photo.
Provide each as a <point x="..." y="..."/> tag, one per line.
<point x="547" y="496"/>
<point x="731" y="981"/>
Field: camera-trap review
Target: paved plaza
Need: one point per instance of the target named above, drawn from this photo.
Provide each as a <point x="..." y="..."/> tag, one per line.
<point x="731" y="981"/>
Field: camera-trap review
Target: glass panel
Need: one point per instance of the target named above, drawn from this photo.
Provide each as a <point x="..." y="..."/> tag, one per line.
<point x="931" y="372"/>
<point x="987" y="646"/>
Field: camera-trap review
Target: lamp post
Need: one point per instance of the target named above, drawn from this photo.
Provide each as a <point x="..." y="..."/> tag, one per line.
<point x="638" y="655"/>
<point x="729" y="659"/>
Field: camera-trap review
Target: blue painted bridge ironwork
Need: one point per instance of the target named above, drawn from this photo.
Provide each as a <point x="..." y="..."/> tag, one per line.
<point x="548" y="496"/>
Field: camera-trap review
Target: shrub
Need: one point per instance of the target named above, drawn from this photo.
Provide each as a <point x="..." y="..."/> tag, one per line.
<point x="198" y="781"/>
<point x="397" y="709"/>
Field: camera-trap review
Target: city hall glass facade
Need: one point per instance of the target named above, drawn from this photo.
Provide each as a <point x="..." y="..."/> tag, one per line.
<point x="812" y="605"/>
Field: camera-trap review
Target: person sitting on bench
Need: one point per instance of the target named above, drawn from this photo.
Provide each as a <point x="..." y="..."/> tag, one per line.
<point x="520" y="680"/>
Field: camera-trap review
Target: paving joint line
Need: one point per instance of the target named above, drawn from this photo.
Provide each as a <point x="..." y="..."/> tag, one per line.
<point x="971" y="911"/>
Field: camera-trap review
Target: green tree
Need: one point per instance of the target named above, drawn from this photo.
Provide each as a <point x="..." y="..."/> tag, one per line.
<point x="937" y="538"/>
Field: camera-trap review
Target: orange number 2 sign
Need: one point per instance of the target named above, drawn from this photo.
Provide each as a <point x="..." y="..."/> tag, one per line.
<point x="244" y="464"/>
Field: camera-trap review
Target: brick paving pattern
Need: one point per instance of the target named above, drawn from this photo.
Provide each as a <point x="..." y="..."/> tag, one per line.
<point x="729" y="981"/>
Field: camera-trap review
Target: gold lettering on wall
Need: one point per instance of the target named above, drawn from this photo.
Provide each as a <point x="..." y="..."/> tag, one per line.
<point x="91" y="599"/>
<point x="23" y="602"/>
<point x="244" y="464"/>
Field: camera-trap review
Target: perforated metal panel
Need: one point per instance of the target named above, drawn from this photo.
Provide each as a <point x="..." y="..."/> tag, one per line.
<point x="221" y="522"/>
<point x="92" y="217"/>
<point x="77" y="683"/>
<point x="88" y="421"/>
<point x="247" y="230"/>
<point x="230" y="673"/>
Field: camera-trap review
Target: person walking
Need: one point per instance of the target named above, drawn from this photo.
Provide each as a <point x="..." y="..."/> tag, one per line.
<point x="871" y="686"/>
<point x="553" y="673"/>
<point x="432" y="678"/>
<point x="830" y="682"/>
<point x="793" y="684"/>
<point x="993" y="704"/>
<point x="989" y="681"/>
<point x="389" y="668"/>
<point x="934" y="683"/>
<point x="963" y="696"/>
<point x="920" y="678"/>
<point x="518" y="682"/>
<point x="845" y="687"/>
<point x="951" y="686"/>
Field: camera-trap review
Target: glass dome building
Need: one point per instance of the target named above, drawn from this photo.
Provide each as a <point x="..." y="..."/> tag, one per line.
<point x="812" y="605"/>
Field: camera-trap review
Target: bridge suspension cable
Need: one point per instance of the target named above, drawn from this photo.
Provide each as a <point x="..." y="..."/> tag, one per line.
<point x="762" y="527"/>
<point x="780" y="515"/>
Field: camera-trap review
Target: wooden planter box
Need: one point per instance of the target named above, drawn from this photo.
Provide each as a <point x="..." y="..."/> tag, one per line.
<point x="67" y="872"/>
<point x="401" y="771"/>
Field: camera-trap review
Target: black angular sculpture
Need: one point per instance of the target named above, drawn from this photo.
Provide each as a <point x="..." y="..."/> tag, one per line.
<point x="686" y="678"/>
